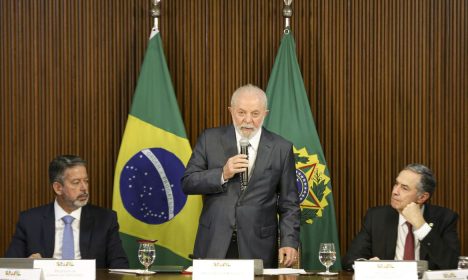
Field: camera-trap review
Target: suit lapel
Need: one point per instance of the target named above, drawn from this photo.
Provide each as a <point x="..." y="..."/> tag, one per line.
<point x="229" y="144"/>
<point x="228" y="140"/>
<point x="392" y="233"/>
<point x="48" y="231"/>
<point x="429" y="220"/>
<point x="263" y="154"/>
<point x="86" y="227"/>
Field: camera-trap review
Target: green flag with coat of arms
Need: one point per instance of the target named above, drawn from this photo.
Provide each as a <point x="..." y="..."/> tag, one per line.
<point x="290" y="116"/>
<point x="148" y="195"/>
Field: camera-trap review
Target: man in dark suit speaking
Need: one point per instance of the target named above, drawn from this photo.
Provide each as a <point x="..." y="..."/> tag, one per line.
<point x="69" y="228"/>
<point x="409" y="228"/>
<point x="244" y="220"/>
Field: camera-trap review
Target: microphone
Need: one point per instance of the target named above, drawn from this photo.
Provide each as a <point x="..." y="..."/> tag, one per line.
<point x="244" y="149"/>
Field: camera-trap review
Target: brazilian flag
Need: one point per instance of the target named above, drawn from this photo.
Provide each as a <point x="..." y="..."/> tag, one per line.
<point x="148" y="196"/>
<point x="291" y="117"/>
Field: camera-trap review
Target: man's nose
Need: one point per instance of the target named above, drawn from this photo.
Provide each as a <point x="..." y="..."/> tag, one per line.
<point x="248" y="118"/>
<point x="84" y="186"/>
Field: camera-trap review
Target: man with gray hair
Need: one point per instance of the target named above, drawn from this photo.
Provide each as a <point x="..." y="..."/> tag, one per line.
<point x="69" y="227"/>
<point x="410" y="228"/>
<point x="243" y="216"/>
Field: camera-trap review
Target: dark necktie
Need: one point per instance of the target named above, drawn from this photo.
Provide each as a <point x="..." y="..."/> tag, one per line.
<point x="409" y="244"/>
<point x="68" y="244"/>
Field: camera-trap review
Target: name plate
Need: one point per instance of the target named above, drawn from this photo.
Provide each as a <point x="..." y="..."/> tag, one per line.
<point x="223" y="269"/>
<point x="385" y="270"/>
<point x="20" y="274"/>
<point x="456" y="274"/>
<point x="67" y="269"/>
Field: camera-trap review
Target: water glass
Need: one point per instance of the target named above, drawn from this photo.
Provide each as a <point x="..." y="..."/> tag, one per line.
<point x="463" y="262"/>
<point x="327" y="256"/>
<point x="146" y="254"/>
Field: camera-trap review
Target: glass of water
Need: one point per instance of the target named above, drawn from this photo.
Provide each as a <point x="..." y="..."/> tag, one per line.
<point x="146" y="254"/>
<point x="463" y="262"/>
<point x="327" y="256"/>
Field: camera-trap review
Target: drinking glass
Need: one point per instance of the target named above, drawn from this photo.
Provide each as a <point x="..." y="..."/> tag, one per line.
<point x="327" y="256"/>
<point x="146" y="254"/>
<point x="463" y="262"/>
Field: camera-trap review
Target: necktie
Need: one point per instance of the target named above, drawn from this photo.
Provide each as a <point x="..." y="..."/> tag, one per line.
<point x="409" y="244"/>
<point x="68" y="244"/>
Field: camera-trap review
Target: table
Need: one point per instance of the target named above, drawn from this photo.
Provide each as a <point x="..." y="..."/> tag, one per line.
<point x="103" y="274"/>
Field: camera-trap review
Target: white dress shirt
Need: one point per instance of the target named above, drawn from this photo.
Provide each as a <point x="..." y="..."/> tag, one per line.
<point x="419" y="234"/>
<point x="59" y="227"/>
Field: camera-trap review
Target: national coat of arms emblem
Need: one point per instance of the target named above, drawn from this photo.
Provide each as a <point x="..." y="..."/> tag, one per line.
<point x="313" y="185"/>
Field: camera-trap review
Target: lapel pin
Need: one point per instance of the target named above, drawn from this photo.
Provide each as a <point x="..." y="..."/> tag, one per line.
<point x="431" y="224"/>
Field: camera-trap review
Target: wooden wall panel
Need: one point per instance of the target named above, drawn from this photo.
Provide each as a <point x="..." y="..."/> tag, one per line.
<point x="387" y="84"/>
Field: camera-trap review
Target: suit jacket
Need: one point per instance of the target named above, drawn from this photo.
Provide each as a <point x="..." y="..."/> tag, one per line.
<point x="378" y="236"/>
<point x="99" y="236"/>
<point x="271" y="191"/>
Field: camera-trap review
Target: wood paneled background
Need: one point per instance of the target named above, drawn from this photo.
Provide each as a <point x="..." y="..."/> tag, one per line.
<point x="387" y="82"/>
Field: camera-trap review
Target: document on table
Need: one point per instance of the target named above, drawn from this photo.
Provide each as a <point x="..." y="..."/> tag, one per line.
<point x="280" y="271"/>
<point x="127" y="271"/>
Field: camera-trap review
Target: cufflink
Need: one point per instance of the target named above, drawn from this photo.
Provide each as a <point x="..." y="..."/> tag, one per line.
<point x="431" y="224"/>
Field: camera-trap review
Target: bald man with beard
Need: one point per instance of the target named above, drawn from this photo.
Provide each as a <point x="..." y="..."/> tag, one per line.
<point x="238" y="221"/>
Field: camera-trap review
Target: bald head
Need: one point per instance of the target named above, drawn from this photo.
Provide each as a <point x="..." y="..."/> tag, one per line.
<point x="249" y="90"/>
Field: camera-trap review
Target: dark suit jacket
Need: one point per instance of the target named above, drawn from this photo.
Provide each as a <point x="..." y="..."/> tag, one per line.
<point x="378" y="236"/>
<point x="99" y="236"/>
<point x="271" y="191"/>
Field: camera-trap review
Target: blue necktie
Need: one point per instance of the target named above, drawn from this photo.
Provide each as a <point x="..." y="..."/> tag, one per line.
<point x="68" y="244"/>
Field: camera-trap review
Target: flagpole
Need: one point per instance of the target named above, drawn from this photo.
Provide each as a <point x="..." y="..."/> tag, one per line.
<point x="155" y="13"/>
<point x="287" y="14"/>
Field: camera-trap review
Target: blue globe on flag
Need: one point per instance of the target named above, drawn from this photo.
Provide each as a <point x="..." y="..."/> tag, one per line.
<point x="150" y="186"/>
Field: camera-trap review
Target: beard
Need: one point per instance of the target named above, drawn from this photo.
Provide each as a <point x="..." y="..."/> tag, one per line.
<point x="252" y="130"/>
<point x="80" y="203"/>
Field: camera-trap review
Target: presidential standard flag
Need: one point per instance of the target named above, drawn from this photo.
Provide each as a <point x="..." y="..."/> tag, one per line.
<point x="290" y="116"/>
<point x="148" y="195"/>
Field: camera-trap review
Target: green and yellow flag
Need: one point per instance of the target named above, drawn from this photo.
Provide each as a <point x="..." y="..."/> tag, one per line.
<point x="290" y="116"/>
<point x="148" y="196"/>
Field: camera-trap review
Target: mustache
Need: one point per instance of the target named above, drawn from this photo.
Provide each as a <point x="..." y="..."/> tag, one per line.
<point x="247" y="126"/>
<point x="83" y="195"/>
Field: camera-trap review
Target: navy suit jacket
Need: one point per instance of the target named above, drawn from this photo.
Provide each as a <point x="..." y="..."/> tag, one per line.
<point x="99" y="236"/>
<point x="271" y="192"/>
<point x="378" y="237"/>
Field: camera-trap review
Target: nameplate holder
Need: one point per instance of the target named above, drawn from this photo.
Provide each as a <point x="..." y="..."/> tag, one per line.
<point x="385" y="270"/>
<point x="67" y="269"/>
<point x="455" y="274"/>
<point x="223" y="269"/>
<point x="20" y="274"/>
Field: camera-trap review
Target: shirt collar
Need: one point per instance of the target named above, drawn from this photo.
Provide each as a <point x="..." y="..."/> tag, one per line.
<point x="60" y="213"/>
<point x="254" y="141"/>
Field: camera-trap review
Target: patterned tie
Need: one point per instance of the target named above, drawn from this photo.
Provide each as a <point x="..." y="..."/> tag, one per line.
<point x="68" y="244"/>
<point x="409" y="244"/>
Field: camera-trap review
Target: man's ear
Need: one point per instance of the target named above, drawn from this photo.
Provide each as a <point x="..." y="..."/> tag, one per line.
<point x="423" y="198"/>
<point x="57" y="188"/>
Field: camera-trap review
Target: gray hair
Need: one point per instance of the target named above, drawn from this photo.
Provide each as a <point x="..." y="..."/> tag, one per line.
<point x="61" y="163"/>
<point x="427" y="183"/>
<point x="251" y="89"/>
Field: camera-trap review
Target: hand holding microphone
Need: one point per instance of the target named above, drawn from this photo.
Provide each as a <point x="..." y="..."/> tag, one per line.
<point x="238" y="163"/>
